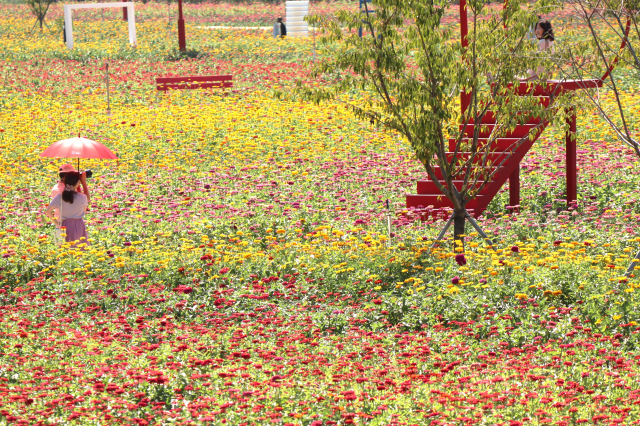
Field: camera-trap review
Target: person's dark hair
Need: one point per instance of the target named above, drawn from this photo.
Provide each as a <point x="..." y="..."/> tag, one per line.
<point x="70" y="181"/>
<point x="548" y="31"/>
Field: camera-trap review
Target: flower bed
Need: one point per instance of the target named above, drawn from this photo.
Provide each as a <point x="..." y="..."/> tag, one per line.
<point x="240" y="269"/>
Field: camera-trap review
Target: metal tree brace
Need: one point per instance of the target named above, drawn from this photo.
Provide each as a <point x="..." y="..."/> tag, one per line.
<point x="475" y="225"/>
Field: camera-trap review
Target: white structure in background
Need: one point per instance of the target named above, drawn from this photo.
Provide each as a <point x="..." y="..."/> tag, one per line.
<point x="68" y="18"/>
<point x="296" y="25"/>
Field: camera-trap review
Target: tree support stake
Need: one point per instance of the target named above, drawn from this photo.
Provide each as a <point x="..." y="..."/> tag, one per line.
<point x="633" y="265"/>
<point x="444" y="231"/>
<point x="480" y="231"/>
<point x="475" y="225"/>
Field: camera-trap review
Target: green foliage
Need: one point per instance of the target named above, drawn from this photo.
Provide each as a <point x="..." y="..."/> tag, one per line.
<point x="178" y="55"/>
<point x="611" y="50"/>
<point x="39" y="9"/>
<point x="412" y="74"/>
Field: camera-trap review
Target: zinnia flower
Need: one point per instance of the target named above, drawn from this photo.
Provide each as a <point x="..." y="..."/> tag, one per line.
<point x="460" y="259"/>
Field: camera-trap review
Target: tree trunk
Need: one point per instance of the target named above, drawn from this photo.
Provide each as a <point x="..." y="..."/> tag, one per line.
<point x="459" y="219"/>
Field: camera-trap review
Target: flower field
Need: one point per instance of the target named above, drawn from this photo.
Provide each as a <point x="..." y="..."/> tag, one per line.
<point x="240" y="270"/>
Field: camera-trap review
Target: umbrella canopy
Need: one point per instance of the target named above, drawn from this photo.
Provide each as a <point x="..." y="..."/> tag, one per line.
<point x="78" y="148"/>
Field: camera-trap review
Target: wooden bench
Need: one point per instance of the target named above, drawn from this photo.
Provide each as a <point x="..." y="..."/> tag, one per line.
<point x="199" y="82"/>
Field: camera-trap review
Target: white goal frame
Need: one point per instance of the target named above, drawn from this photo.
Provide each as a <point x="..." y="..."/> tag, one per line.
<point x="68" y="18"/>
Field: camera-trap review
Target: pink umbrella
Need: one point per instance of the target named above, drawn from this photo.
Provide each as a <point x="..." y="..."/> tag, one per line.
<point x="78" y="148"/>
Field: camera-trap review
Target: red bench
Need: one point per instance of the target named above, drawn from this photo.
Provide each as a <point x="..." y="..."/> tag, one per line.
<point x="199" y="82"/>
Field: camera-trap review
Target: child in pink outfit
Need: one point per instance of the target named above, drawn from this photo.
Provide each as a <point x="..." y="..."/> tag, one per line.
<point x="73" y="206"/>
<point x="59" y="187"/>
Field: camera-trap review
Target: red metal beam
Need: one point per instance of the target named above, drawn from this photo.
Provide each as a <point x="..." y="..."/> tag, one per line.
<point x="125" y="14"/>
<point x="202" y="78"/>
<point x="194" y="82"/>
<point x="622" y="46"/>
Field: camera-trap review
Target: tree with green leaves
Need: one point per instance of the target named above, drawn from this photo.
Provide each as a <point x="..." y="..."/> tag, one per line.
<point x="609" y="49"/>
<point x="414" y="74"/>
<point x="40" y="8"/>
<point x="610" y="52"/>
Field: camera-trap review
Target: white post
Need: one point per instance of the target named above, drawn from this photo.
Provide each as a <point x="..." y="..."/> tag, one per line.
<point x="132" y="25"/>
<point x="68" y="25"/>
<point x="296" y="25"/>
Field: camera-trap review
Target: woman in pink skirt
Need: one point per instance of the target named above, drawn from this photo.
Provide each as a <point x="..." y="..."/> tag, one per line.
<point x="72" y="206"/>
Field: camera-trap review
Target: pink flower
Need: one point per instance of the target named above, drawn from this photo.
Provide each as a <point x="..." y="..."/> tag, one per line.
<point x="460" y="259"/>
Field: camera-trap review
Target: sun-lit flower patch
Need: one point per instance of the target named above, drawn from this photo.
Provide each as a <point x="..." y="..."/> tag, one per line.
<point x="241" y="270"/>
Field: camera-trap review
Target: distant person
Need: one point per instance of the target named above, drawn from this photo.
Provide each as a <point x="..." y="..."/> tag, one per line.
<point x="279" y="29"/>
<point x="544" y="34"/>
<point x="72" y="206"/>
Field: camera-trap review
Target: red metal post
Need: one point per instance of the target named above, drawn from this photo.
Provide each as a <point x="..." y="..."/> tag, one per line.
<point x="182" y="42"/>
<point x="465" y="98"/>
<point x="514" y="188"/>
<point x="514" y="179"/>
<point x="571" y="157"/>
<point x="125" y="14"/>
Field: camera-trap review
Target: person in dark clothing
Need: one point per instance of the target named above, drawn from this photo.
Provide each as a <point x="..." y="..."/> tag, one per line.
<point x="279" y="29"/>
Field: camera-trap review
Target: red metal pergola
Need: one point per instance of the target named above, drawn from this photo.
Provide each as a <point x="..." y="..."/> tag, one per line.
<point x="571" y="169"/>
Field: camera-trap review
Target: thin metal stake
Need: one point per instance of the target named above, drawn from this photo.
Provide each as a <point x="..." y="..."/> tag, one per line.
<point x="633" y="265"/>
<point x="480" y="231"/>
<point x="108" y="98"/>
<point x="444" y="231"/>
<point x="388" y="226"/>
<point x="313" y="30"/>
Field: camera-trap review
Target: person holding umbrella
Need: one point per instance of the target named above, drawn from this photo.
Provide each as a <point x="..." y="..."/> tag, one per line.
<point x="72" y="206"/>
<point x="59" y="187"/>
